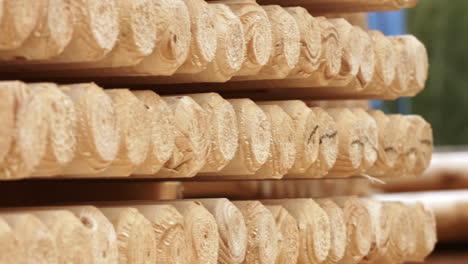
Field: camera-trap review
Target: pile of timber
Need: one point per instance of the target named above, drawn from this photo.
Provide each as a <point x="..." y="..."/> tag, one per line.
<point x="209" y="231"/>
<point x="82" y="130"/>
<point x="166" y="42"/>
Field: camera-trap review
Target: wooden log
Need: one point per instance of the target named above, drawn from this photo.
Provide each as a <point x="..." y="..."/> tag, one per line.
<point x="338" y="230"/>
<point x="425" y="143"/>
<point x="191" y="138"/>
<point x="426" y="236"/>
<point x="30" y="132"/>
<point x="262" y="237"/>
<point x="402" y="80"/>
<point x="257" y="34"/>
<point x="136" y="240"/>
<point x="350" y="146"/>
<point x="314" y="228"/>
<point x="369" y="138"/>
<point x="96" y="29"/>
<point x="135" y="133"/>
<point x="283" y="144"/>
<point x="358" y="229"/>
<point x="201" y="231"/>
<point x="97" y="131"/>
<point x="161" y="143"/>
<point x="380" y="230"/>
<point x="33" y="236"/>
<point x="231" y="228"/>
<point x="367" y="62"/>
<point x="61" y="129"/>
<point x="204" y="42"/>
<point x="254" y="139"/>
<point x="19" y="18"/>
<point x="47" y="39"/>
<point x="168" y="228"/>
<point x="214" y="189"/>
<point x="7" y="110"/>
<point x="306" y="128"/>
<point x="223" y="130"/>
<point x="287" y="227"/>
<point x="12" y="251"/>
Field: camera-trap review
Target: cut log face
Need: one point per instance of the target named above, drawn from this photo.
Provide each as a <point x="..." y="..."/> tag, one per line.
<point x="379" y="238"/>
<point x="311" y="43"/>
<point x="369" y="137"/>
<point x="161" y="145"/>
<point x="19" y="18"/>
<point x="262" y="237"/>
<point x="7" y="109"/>
<point x="367" y="62"/>
<point x="192" y="141"/>
<point x="332" y="49"/>
<point x="424" y="141"/>
<point x="289" y="235"/>
<point x="426" y="236"/>
<point x="97" y="129"/>
<point x="403" y="70"/>
<point x="338" y="230"/>
<point x="12" y="251"/>
<point x="352" y="43"/>
<point x="386" y="60"/>
<point x="223" y="130"/>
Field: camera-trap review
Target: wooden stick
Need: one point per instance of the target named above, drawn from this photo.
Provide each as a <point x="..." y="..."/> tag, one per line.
<point x="204" y="42"/>
<point x="424" y="142"/>
<point x="96" y="29"/>
<point x="426" y="236"/>
<point x="201" y="231"/>
<point x="12" y="251"/>
<point x="19" y="18"/>
<point x="254" y="139"/>
<point x="222" y="129"/>
<point x="257" y="34"/>
<point x="135" y="133"/>
<point x="369" y="137"/>
<point x="314" y="228"/>
<point x="367" y="62"/>
<point x="403" y="70"/>
<point x="191" y="138"/>
<point x="338" y="230"/>
<point x="48" y="39"/>
<point x="283" y="144"/>
<point x="213" y="189"/>
<point x="161" y="143"/>
<point x="8" y="112"/>
<point x="136" y="240"/>
<point x="306" y="128"/>
<point x="262" y="238"/>
<point x="289" y="242"/>
<point x="30" y="135"/>
<point x="286" y="44"/>
<point x="61" y="126"/>
<point x="231" y="227"/>
<point x="38" y="242"/>
<point x="358" y="229"/>
<point x="97" y="132"/>
<point x="380" y="230"/>
<point x="168" y="228"/>
<point x="350" y="146"/>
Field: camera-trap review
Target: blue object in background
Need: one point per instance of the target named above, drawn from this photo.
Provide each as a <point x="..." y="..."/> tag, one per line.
<point x="390" y="23"/>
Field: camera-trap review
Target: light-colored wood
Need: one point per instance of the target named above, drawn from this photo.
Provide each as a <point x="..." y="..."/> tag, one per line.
<point x="136" y="240"/>
<point x="204" y="40"/>
<point x="231" y="228"/>
<point x="214" y="189"/>
<point x="402" y="79"/>
<point x="424" y="142"/>
<point x="350" y="146"/>
<point x="418" y="63"/>
<point x="52" y="33"/>
<point x="314" y="228"/>
<point x="96" y="29"/>
<point x="380" y="230"/>
<point x="192" y="141"/>
<point x="38" y="242"/>
<point x="305" y="126"/>
<point x="282" y="146"/>
<point x="367" y="62"/>
<point x="338" y="230"/>
<point x="12" y="251"/>
<point x="257" y="34"/>
<point x="135" y="133"/>
<point x="254" y="139"/>
<point x="30" y="131"/>
<point x="8" y="112"/>
<point x="262" y="237"/>
<point x="161" y="143"/>
<point x="369" y="138"/>
<point x="289" y="235"/>
<point x="358" y="229"/>
<point x="223" y="131"/>
<point x="426" y="236"/>
<point x="201" y="231"/>
<point x="355" y="18"/>
<point x="19" y="18"/>
<point x="97" y="131"/>
<point x="168" y="228"/>
<point x="61" y="129"/>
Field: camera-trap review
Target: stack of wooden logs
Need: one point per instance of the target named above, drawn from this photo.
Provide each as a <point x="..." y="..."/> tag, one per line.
<point x="81" y="130"/>
<point x="332" y="230"/>
<point x="192" y="41"/>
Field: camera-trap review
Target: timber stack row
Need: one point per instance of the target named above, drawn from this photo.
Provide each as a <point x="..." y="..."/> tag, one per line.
<point x="210" y="231"/>
<point x="82" y="130"/>
<point x="192" y="41"/>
